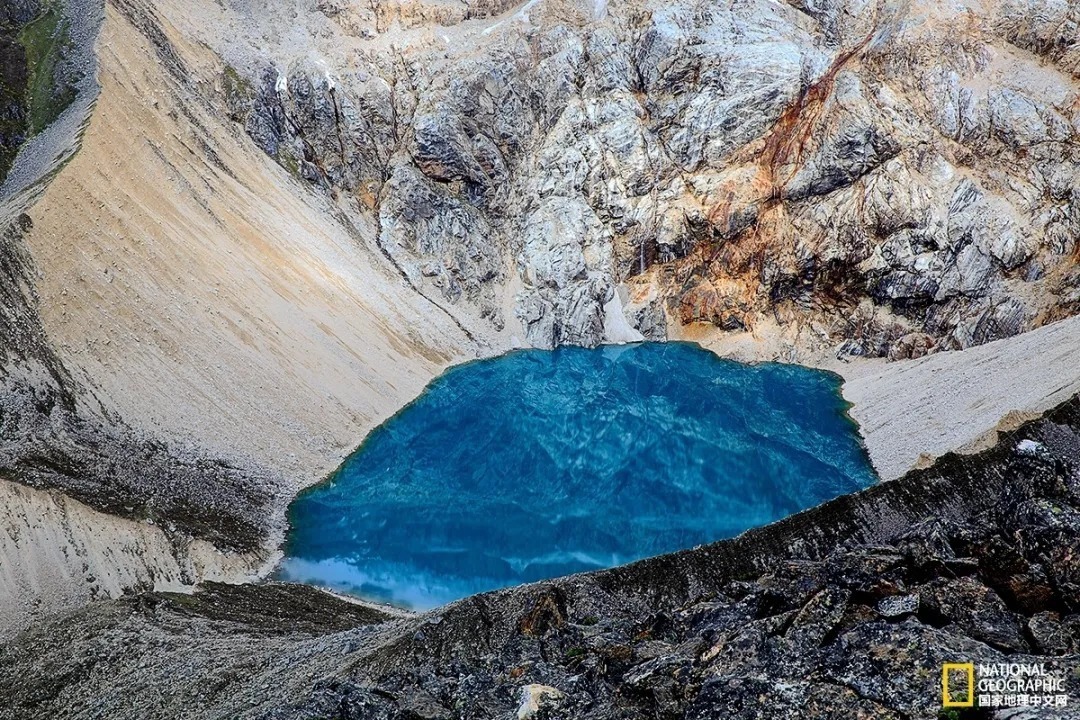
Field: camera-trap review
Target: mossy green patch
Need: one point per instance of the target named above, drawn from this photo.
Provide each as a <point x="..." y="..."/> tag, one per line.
<point x="44" y="40"/>
<point x="290" y="163"/>
<point x="239" y="93"/>
<point x="13" y="77"/>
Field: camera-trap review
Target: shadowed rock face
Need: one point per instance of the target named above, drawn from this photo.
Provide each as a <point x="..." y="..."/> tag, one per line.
<point x="903" y="177"/>
<point x="851" y="606"/>
<point x="13" y="78"/>
<point x="19" y="12"/>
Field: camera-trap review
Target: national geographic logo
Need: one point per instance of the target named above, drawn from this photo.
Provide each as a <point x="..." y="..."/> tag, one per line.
<point x="958" y="685"/>
<point x="1002" y="685"/>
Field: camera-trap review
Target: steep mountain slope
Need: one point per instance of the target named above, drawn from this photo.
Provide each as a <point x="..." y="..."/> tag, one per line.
<point x="185" y="343"/>
<point x="883" y="178"/>
<point x="197" y="285"/>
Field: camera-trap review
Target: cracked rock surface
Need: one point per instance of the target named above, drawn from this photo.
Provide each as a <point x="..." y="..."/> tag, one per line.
<point x="904" y="177"/>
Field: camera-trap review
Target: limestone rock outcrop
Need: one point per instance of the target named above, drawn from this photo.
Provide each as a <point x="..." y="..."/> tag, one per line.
<point x="886" y="172"/>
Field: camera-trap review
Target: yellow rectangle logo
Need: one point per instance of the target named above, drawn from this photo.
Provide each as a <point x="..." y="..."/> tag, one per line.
<point x="947" y="698"/>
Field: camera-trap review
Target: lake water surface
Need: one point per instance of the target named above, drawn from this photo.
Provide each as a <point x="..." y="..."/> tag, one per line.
<point x="538" y="464"/>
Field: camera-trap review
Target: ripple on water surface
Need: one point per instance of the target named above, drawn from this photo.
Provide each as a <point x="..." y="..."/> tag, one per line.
<point x="537" y="464"/>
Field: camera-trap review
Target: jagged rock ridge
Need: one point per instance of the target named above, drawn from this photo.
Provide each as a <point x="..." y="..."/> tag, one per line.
<point x="901" y="178"/>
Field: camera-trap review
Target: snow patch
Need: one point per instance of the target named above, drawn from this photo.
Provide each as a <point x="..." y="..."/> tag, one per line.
<point x="617" y="328"/>
<point x="1030" y="448"/>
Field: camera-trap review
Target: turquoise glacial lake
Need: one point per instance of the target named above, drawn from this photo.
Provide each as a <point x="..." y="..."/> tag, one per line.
<point x="538" y="464"/>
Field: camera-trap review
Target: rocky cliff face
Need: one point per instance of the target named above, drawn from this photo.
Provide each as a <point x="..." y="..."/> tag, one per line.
<point x="892" y="178"/>
<point x="847" y="610"/>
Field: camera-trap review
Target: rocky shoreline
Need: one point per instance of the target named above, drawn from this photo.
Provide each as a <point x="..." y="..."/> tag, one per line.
<point x="850" y="607"/>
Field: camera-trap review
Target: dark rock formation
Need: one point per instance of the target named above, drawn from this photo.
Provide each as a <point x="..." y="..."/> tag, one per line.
<point x="846" y="610"/>
<point x="19" y="12"/>
<point x="13" y="81"/>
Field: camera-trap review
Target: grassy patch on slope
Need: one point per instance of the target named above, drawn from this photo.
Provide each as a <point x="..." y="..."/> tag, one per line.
<point x="44" y="39"/>
<point x="13" y="77"/>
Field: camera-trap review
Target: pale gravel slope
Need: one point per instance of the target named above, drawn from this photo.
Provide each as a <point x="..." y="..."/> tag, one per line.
<point x="949" y="401"/>
<point x="220" y="303"/>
